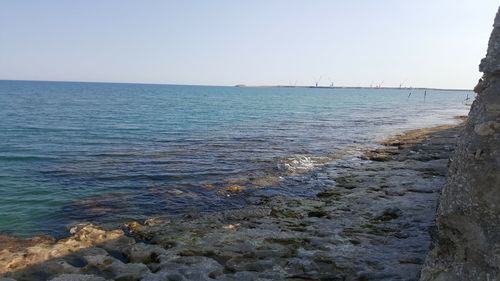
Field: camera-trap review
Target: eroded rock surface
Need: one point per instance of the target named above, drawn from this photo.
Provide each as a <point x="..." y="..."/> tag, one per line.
<point x="468" y="240"/>
<point x="372" y="225"/>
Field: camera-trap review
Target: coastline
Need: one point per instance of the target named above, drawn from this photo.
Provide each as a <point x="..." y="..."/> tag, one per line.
<point x="373" y="224"/>
<point x="238" y="85"/>
<point x="354" y="87"/>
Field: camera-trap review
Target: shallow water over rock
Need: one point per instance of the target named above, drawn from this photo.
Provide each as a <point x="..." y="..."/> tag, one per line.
<point x="375" y="224"/>
<point x="73" y="152"/>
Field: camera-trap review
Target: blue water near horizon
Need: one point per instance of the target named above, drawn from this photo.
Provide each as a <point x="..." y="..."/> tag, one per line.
<point x="72" y="152"/>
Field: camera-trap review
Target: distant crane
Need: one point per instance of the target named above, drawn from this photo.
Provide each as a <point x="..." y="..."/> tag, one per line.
<point x="401" y="84"/>
<point x="331" y="83"/>
<point x="318" y="80"/>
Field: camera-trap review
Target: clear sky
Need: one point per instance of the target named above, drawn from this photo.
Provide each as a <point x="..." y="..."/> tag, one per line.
<point x="431" y="43"/>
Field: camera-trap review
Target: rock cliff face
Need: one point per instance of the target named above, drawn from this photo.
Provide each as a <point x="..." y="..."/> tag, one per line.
<point x="467" y="246"/>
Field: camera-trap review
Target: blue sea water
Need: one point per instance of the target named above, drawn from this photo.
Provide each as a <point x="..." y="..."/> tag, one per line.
<point x="109" y="153"/>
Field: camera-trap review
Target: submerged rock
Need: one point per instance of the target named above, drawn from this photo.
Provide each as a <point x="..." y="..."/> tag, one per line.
<point x="231" y="190"/>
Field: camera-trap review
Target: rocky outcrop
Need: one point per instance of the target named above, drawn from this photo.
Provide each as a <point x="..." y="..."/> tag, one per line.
<point x="467" y="246"/>
<point x="16" y="254"/>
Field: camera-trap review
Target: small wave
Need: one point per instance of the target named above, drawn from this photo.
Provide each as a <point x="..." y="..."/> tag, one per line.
<point x="25" y="157"/>
<point x="300" y="163"/>
<point x="296" y="164"/>
<point x="116" y="154"/>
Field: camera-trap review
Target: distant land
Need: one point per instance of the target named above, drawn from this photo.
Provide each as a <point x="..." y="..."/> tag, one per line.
<point x="244" y="85"/>
<point x="350" y="87"/>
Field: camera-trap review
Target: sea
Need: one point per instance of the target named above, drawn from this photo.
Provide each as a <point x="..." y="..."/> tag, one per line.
<point x="110" y="153"/>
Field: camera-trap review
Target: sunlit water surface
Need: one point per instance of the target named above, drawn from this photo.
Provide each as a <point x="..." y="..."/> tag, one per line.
<point x="109" y="153"/>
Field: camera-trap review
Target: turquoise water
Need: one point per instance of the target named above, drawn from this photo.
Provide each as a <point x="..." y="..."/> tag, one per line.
<point x="74" y="152"/>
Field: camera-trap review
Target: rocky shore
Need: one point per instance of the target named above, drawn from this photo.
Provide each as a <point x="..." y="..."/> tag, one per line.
<point x="374" y="224"/>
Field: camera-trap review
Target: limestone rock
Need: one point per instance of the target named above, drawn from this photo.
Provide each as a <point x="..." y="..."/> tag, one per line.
<point x="467" y="246"/>
<point x="23" y="253"/>
<point x="144" y="253"/>
<point x="192" y="268"/>
<point x="491" y="63"/>
<point x="116" y="268"/>
<point x="77" y="277"/>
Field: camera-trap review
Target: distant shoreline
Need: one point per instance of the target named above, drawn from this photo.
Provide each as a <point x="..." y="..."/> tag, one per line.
<point x="354" y="87"/>
<point x="244" y="86"/>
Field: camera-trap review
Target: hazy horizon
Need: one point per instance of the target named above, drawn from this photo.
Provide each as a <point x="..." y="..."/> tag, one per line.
<point x="236" y="85"/>
<point x="360" y="43"/>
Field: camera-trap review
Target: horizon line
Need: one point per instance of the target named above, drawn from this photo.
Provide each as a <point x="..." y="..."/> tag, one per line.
<point x="243" y="85"/>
